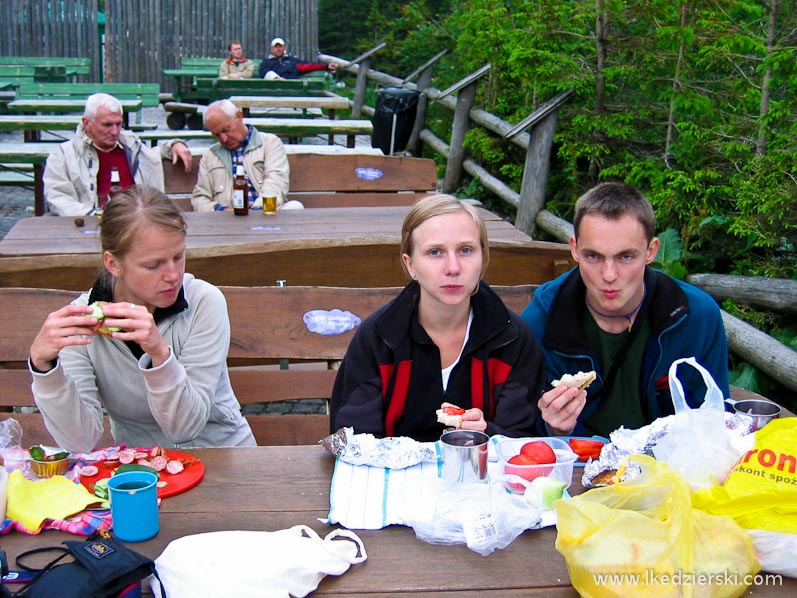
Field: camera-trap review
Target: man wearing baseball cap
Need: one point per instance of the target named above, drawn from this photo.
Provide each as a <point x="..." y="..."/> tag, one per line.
<point x="280" y="64"/>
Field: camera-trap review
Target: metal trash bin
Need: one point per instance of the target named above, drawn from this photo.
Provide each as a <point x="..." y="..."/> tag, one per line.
<point x="394" y="118"/>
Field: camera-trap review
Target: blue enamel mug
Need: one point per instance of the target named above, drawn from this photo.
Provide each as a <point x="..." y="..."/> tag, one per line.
<point x="134" y="505"/>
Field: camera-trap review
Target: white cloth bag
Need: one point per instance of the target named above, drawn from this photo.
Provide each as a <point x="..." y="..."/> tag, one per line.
<point x="288" y="562"/>
<point x="697" y="444"/>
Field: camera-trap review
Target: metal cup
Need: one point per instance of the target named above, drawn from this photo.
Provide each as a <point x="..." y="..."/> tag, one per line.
<point x="464" y="454"/>
<point x="762" y="412"/>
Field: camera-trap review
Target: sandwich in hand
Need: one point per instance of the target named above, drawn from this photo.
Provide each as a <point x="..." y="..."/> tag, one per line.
<point x="100" y="327"/>
<point x="450" y="416"/>
<point x="579" y="380"/>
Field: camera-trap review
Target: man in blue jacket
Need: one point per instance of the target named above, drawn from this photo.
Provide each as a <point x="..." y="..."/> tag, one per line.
<point x="279" y="64"/>
<point x="617" y="316"/>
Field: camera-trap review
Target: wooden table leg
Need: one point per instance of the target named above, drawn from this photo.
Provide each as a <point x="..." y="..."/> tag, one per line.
<point x="38" y="189"/>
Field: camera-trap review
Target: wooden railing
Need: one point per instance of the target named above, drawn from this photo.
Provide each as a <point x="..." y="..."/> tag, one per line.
<point x="761" y="350"/>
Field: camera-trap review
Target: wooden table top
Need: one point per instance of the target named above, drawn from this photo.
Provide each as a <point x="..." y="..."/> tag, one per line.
<point x="59" y="106"/>
<point x="272" y="488"/>
<point x="39" y="122"/>
<point x="223" y="231"/>
<point x="330" y="102"/>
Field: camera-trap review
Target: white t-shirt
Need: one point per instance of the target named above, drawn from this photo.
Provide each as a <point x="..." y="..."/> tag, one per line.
<point x="446" y="372"/>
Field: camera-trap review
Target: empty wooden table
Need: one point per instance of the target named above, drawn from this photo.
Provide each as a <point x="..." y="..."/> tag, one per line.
<point x="61" y="106"/>
<point x="346" y="247"/>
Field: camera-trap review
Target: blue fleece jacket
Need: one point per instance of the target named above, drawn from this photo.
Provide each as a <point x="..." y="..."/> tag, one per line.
<point x="684" y="322"/>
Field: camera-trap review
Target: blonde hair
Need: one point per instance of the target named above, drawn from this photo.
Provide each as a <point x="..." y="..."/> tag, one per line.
<point x="436" y="205"/>
<point x="132" y="209"/>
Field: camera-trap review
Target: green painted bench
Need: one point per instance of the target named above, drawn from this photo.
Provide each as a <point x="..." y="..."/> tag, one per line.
<point x="146" y="93"/>
<point x="81" y="66"/>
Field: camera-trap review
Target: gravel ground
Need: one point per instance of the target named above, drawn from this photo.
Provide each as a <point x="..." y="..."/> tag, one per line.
<point x="17" y="203"/>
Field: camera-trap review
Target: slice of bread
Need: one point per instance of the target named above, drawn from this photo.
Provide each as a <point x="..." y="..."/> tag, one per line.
<point x="579" y="380"/>
<point x="454" y="421"/>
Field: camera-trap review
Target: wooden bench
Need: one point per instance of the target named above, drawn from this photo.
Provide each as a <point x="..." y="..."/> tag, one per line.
<point x="272" y="357"/>
<point x="33" y="74"/>
<point x="81" y="66"/>
<point x="32" y="125"/>
<point x="189" y="62"/>
<point x="342" y="180"/>
<point x="146" y="93"/>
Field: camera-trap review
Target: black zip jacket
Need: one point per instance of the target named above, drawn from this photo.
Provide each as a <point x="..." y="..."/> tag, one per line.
<point x="390" y="384"/>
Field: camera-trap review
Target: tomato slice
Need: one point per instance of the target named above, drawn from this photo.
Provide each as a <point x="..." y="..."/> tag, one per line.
<point x="586" y="449"/>
<point x="453" y="410"/>
<point x="578" y="445"/>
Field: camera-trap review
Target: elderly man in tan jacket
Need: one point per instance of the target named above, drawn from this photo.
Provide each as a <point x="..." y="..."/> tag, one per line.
<point x="262" y="155"/>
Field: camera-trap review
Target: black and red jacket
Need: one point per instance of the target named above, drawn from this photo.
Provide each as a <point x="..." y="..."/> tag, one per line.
<point x="389" y="383"/>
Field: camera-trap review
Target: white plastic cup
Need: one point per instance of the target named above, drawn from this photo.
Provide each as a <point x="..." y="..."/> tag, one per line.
<point x="464" y="455"/>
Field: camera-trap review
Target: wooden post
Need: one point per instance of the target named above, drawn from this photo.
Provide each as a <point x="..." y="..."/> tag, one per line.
<point x="538" y="159"/>
<point x="360" y="87"/>
<point x="466" y="95"/>
<point x="424" y="73"/>
<point x="535" y="174"/>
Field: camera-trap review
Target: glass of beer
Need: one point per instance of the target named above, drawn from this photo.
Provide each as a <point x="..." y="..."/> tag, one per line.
<point x="269" y="203"/>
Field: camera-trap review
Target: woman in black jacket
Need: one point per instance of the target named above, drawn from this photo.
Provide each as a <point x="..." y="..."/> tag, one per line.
<point x="447" y="338"/>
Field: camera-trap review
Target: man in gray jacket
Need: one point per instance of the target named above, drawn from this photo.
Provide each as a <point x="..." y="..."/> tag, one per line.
<point x="262" y="155"/>
<point x="77" y="176"/>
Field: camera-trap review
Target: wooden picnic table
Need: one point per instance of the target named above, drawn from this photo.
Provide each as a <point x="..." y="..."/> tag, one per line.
<point x="330" y="103"/>
<point x="36" y="155"/>
<point x="350" y="247"/>
<point x="33" y="124"/>
<point x="62" y="106"/>
<point x="292" y="128"/>
<point x="276" y="487"/>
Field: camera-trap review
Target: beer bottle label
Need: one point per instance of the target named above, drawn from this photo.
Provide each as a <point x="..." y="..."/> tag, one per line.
<point x="238" y="198"/>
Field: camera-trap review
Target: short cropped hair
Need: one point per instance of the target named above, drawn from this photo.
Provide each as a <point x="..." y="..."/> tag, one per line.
<point x="436" y="205"/>
<point x="96" y="100"/>
<point x="235" y="42"/>
<point x="226" y="106"/>
<point x="615" y="200"/>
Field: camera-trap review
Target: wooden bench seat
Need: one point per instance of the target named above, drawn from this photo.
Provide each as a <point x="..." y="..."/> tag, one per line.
<point x="146" y="93"/>
<point x="80" y="65"/>
<point x="272" y="357"/>
<point x="344" y="180"/>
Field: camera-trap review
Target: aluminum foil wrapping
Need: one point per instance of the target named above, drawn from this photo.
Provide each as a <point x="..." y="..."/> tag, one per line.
<point x="624" y="443"/>
<point x="365" y="449"/>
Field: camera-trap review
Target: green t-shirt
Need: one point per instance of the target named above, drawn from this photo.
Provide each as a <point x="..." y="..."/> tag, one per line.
<point x="623" y="405"/>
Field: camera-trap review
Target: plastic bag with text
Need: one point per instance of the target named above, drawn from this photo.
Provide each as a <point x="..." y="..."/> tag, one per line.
<point x="696" y="433"/>
<point x="761" y="494"/>
<point x="483" y="516"/>
<point x="643" y="538"/>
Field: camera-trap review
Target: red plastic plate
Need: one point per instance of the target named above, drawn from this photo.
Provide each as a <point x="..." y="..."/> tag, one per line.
<point x="175" y="483"/>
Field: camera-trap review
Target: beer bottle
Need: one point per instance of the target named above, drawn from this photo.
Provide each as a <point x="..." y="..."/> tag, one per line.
<point x="240" y="192"/>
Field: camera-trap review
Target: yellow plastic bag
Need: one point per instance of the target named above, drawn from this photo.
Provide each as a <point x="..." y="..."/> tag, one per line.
<point x="643" y="538"/>
<point x="761" y="490"/>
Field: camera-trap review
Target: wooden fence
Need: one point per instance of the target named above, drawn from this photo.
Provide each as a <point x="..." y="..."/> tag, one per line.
<point x="143" y="37"/>
<point x="51" y="28"/>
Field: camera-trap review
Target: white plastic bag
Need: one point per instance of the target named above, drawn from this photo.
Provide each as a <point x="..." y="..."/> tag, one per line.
<point x="483" y="516"/>
<point x="279" y="564"/>
<point x="697" y="444"/>
<point x="775" y="551"/>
